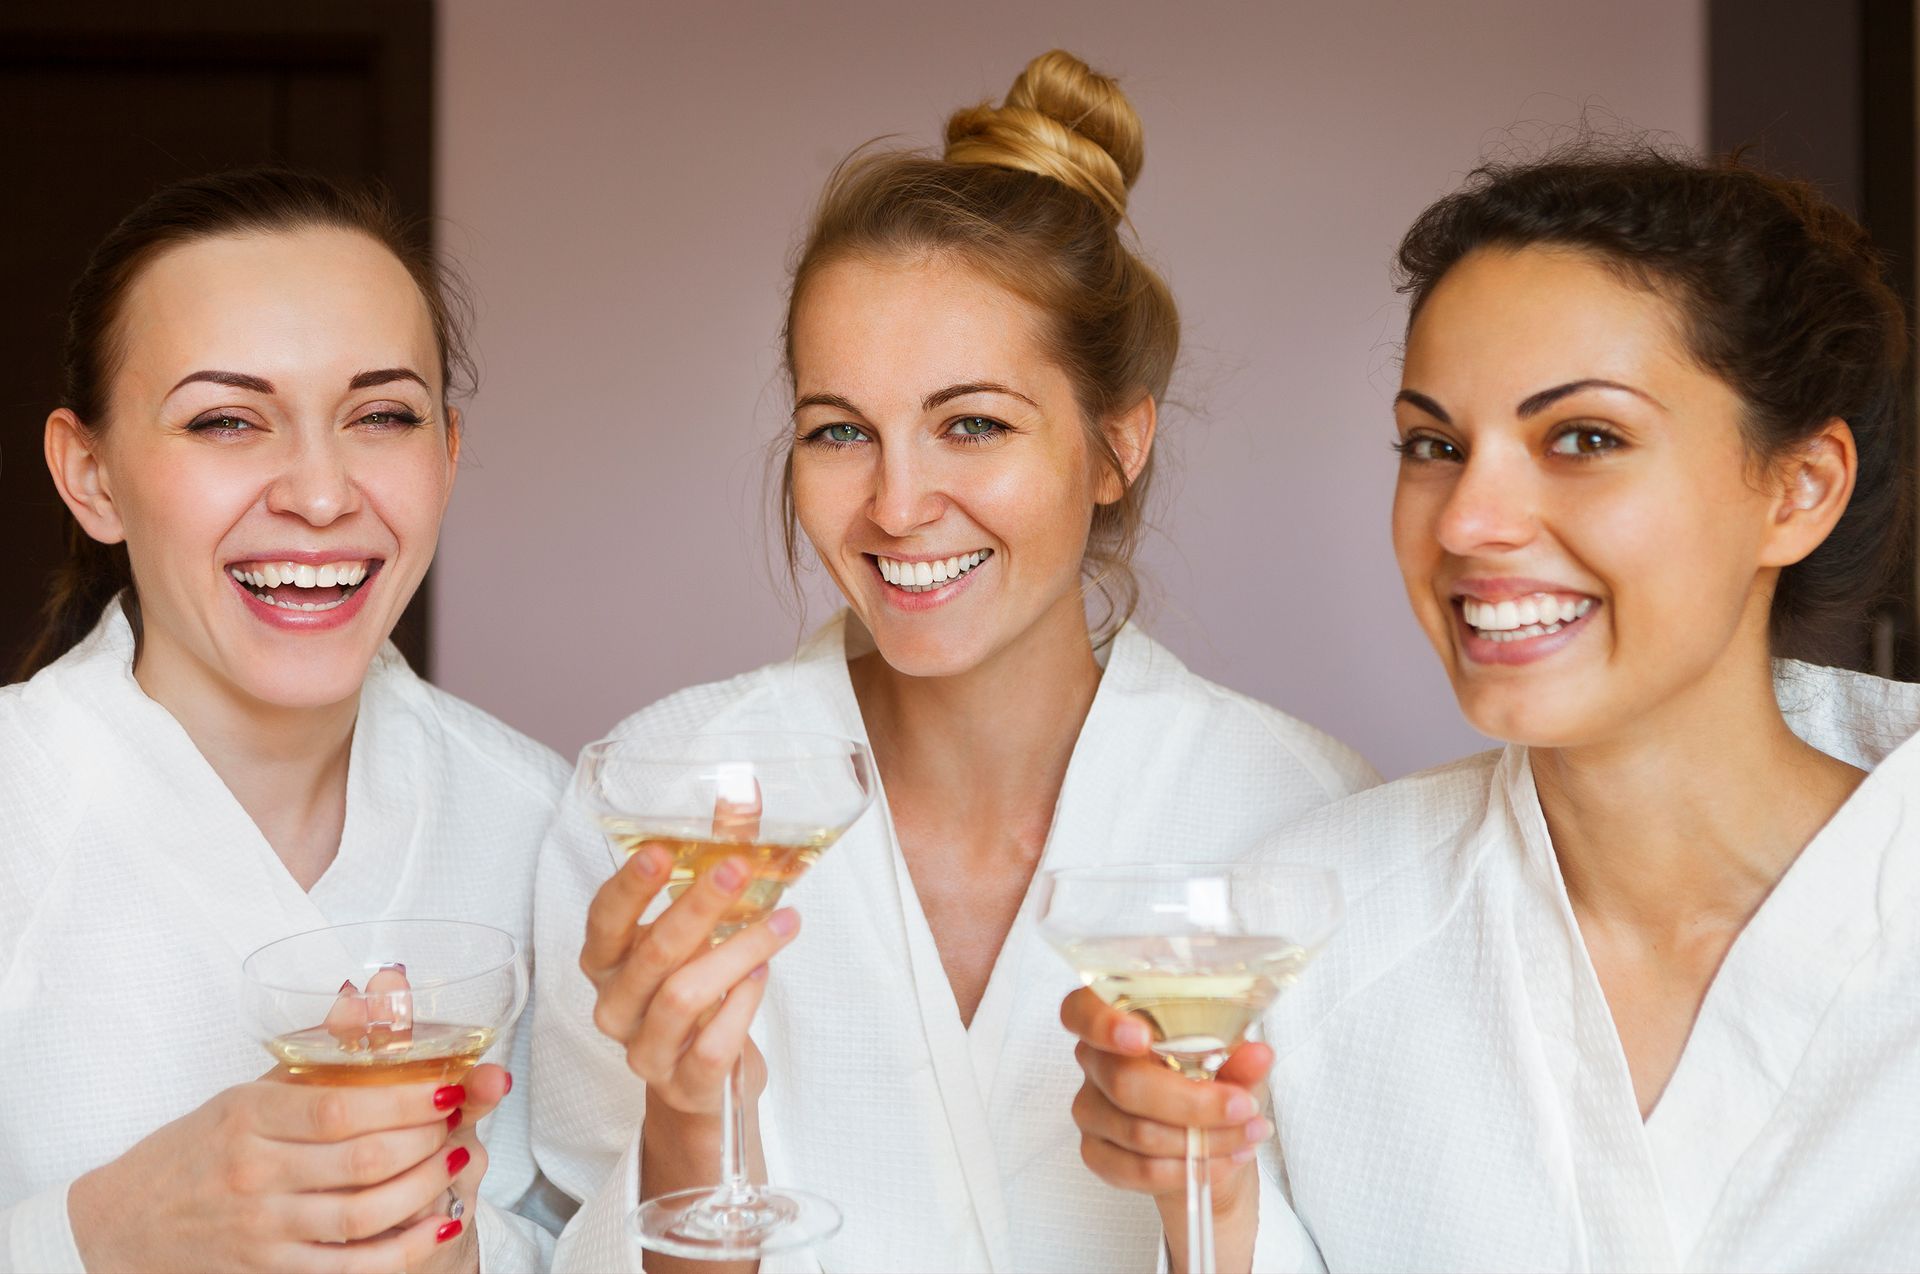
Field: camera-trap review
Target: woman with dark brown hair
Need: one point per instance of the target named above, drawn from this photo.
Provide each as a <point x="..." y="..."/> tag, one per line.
<point x="978" y="356"/>
<point x="1637" y="991"/>
<point x="218" y="748"/>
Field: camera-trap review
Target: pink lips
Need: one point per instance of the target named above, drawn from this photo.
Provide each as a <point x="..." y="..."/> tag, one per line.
<point x="1524" y="650"/>
<point x="916" y="603"/>
<point x="307" y="621"/>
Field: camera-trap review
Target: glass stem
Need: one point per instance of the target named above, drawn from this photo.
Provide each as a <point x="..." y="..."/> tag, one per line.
<point x="1199" y="1205"/>
<point x="734" y="1185"/>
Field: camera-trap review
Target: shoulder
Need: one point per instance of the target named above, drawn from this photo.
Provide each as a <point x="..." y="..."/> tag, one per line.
<point x="44" y="788"/>
<point x="472" y="742"/>
<point x="1417" y="819"/>
<point x="1240" y="721"/>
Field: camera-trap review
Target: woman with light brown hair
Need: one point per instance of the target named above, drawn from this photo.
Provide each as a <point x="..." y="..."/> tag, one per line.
<point x="978" y="358"/>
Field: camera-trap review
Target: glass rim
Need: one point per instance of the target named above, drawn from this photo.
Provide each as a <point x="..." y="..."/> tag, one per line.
<point x="513" y="954"/>
<point x="836" y="747"/>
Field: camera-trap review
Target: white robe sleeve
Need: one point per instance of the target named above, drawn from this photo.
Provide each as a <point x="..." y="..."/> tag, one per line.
<point x="37" y="1238"/>
<point x="509" y="1243"/>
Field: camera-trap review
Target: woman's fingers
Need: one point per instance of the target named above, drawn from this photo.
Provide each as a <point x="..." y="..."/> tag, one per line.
<point x="687" y="1000"/>
<point x="618" y="905"/>
<point x="710" y="1057"/>
<point x="1126" y="1170"/>
<point x="1144" y="1087"/>
<point x="325" y="1113"/>
<point x="1098" y="1023"/>
<point x="1098" y="1117"/>
<point x="360" y="1161"/>
<point x="405" y="1249"/>
<point x="344" y="1215"/>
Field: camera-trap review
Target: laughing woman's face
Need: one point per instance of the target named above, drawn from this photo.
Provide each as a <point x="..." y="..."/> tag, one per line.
<point x="1583" y="531"/>
<point x="275" y="456"/>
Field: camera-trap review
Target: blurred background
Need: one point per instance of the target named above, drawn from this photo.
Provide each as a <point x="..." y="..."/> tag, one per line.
<point x="624" y="185"/>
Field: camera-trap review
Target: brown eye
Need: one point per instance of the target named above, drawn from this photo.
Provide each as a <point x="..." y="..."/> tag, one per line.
<point x="1583" y="441"/>
<point x="1423" y="447"/>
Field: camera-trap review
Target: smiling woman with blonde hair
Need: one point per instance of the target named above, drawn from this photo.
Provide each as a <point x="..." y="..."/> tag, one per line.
<point x="978" y="357"/>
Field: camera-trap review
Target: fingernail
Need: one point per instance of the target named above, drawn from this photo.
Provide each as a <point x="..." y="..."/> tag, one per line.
<point x="397" y="967"/>
<point x="1243" y="1155"/>
<point x="509" y="1075"/>
<point x="453" y="1121"/>
<point x="1240" y="1107"/>
<point x="784" y="921"/>
<point x="651" y="862"/>
<point x="457" y="1159"/>
<point x="1259" y="1130"/>
<point x="730" y="875"/>
<point x="346" y="987"/>
<point x="759" y="974"/>
<point x="447" y="1231"/>
<point x="449" y="1095"/>
<point x="1130" y="1035"/>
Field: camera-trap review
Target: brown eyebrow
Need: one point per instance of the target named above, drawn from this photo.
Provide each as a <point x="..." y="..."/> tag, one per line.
<point x="1424" y="403"/>
<point x="386" y="376"/>
<point x="931" y="401"/>
<point x="951" y="392"/>
<point x="233" y="380"/>
<point x="1534" y="404"/>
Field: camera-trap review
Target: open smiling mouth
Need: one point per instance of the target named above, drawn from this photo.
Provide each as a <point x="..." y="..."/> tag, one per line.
<point x="1521" y="618"/>
<point x="296" y="586"/>
<point x="925" y="577"/>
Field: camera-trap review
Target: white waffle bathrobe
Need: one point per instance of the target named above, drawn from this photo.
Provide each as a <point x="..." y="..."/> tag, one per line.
<point x="132" y="884"/>
<point x="947" y="1148"/>
<point x="1451" y="1093"/>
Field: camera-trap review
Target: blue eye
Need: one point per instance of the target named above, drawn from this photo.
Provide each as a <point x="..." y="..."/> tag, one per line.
<point x="1423" y="447"/>
<point x="975" y="429"/>
<point x="1582" y="442"/>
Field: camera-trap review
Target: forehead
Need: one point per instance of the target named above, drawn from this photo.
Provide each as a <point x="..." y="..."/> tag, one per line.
<point x="907" y="324"/>
<point x="318" y="303"/>
<point x="1505" y="323"/>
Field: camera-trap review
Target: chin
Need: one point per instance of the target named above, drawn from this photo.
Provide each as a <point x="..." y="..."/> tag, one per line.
<point x="305" y="676"/>
<point x="1516" y="714"/>
<point x="927" y="654"/>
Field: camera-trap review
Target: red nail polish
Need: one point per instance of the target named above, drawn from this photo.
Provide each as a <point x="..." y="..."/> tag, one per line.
<point x="449" y="1095"/>
<point x="457" y="1160"/>
<point x="453" y="1120"/>
<point x="345" y="987"/>
<point x="509" y="1083"/>
<point x="450" y="1230"/>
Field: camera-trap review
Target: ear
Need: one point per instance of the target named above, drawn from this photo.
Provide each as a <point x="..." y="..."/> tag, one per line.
<point x="81" y="478"/>
<point x="1130" y="434"/>
<point x="1813" y="484"/>
<point x="454" y="435"/>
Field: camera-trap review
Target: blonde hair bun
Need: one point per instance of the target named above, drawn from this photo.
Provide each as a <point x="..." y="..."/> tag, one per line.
<point x="1062" y="119"/>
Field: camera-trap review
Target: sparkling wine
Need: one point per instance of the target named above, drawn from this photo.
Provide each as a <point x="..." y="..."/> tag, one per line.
<point x="776" y="856"/>
<point x="436" y="1051"/>
<point x="1199" y="993"/>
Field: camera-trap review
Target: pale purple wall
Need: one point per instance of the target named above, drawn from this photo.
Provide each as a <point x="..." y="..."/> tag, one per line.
<point x="624" y="182"/>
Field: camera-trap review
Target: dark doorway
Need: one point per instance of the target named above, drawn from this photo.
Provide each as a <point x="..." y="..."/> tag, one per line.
<point x="100" y="104"/>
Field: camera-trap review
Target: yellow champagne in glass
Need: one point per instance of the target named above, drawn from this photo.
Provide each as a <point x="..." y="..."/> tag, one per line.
<point x="775" y="856"/>
<point x="436" y="1051"/>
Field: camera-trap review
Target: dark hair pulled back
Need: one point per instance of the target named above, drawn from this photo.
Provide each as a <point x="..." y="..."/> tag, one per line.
<point x="1781" y="295"/>
<point x="241" y="202"/>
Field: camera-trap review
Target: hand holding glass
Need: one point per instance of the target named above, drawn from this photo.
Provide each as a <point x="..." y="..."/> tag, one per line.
<point x="1199" y="951"/>
<point x="775" y="801"/>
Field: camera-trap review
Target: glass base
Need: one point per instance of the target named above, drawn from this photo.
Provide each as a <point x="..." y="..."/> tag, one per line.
<point x="710" y="1224"/>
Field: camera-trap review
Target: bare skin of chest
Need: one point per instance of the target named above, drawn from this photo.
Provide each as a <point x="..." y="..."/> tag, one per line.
<point x="970" y="891"/>
<point x="1655" y="998"/>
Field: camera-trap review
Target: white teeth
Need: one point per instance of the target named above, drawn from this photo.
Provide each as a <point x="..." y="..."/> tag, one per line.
<point x="921" y="576"/>
<point x="1520" y="618"/>
<point x="281" y="574"/>
<point x="327" y="576"/>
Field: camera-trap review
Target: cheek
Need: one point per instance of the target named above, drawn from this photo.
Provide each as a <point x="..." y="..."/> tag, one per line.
<point x="409" y="491"/>
<point x="1679" y="554"/>
<point x="1415" y="546"/>
<point x="183" y="502"/>
<point x="828" y="499"/>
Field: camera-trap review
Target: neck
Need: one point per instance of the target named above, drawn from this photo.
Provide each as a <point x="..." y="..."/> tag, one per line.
<point x="287" y="767"/>
<point x="1694" y="814"/>
<point x="1004" y="730"/>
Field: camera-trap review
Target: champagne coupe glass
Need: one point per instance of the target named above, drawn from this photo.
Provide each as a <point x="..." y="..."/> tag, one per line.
<point x="385" y="1001"/>
<point x="1199" y="950"/>
<point x="776" y="800"/>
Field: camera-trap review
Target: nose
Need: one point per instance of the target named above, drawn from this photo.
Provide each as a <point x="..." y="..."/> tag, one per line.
<point x="1493" y="506"/>
<point x="906" y="494"/>
<point x="316" y="484"/>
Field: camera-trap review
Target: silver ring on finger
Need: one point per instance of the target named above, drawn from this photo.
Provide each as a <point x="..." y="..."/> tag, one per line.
<point x="458" y="1208"/>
